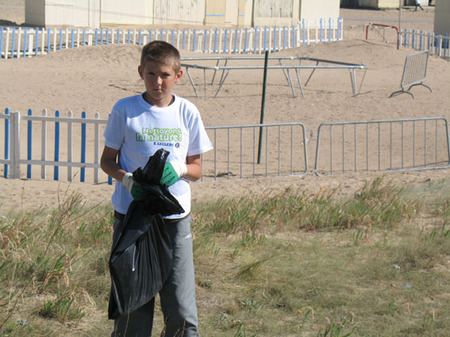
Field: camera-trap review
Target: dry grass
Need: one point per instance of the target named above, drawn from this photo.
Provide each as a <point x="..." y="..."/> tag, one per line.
<point x="373" y="264"/>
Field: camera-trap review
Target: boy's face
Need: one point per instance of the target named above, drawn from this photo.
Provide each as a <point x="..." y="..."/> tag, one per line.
<point x="159" y="80"/>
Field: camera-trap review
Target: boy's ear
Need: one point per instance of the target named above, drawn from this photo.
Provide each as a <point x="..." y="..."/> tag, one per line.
<point x="178" y="76"/>
<point x="140" y="71"/>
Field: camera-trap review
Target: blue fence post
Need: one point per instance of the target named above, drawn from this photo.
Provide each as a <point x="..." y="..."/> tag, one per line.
<point x="84" y="36"/>
<point x="193" y="39"/>
<point x="173" y="37"/>
<point x="37" y="41"/>
<point x="338" y="28"/>
<point x="446" y="44"/>
<point x="413" y="39"/>
<point x="72" y="40"/>
<point x="294" y="40"/>
<point x="235" y="40"/>
<point x="25" y="36"/>
<point x="150" y="35"/>
<point x="265" y="38"/>
<point x="284" y="37"/>
<point x="162" y="34"/>
<point x="60" y="38"/>
<point x="321" y="30"/>
<point x="13" y="42"/>
<point x="48" y="40"/>
<point x="29" y="143"/>
<point x="420" y="42"/>
<point x="57" y="136"/>
<point x="274" y="39"/>
<point x="405" y="42"/>
<point x="6" y="167"/>
<point x="204" y="41"/>
<point x="182" y="42"/>
<point x="303" y="31"/>
<point x="225" y="41"/>
<point x="256" y="40"/>
<point x="436" y="44"/>
<point x="140" y="38"/>
<point x="329" y="30"/>
<point x="118" y="35"/>
<point x="1" y="41"/>
<point x="245" y="40"/>
<point x="83" y="147"/>
<point x="101" y="36"/>
<point x="129" y="35"/>
<point x="95" y="36"/>
<point x="215" y="41"/>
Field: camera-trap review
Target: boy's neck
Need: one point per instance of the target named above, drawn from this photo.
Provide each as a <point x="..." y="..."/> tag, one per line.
<point x="161" y="104"/>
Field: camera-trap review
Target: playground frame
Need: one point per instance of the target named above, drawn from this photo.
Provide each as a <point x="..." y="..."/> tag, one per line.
<point x="313" y="64"/>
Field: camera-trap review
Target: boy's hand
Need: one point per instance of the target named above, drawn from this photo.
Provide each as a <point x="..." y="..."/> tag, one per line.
<point x="172" y="172"/>
<point x="137" y="192"/>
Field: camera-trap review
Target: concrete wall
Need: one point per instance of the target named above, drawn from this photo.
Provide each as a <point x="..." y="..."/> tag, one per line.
<point x="44" y="13"/>
<point x="35" y="13"/>
<point x="379" y="3"/>
<point x="126" y="12"/>
<point x="313" y="10"/>
<point x="275" y="12"/>
<point x="442" y="17"/>
<point x="93" y="13"/>
<point x="183" y="12"/>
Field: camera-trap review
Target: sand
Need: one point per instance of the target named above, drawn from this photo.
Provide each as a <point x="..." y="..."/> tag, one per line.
<point x="91" y="79"/>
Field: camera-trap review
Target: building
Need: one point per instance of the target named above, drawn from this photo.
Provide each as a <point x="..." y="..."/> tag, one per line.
<point x="96" y="13"/>
<point x="442" y="18"/>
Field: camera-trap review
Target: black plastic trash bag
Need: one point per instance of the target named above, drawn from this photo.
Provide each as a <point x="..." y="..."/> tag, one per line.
<point x="141" y="256"/>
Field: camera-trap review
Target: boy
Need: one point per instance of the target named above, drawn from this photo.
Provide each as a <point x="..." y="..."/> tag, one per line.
<point x="137" y="127"/>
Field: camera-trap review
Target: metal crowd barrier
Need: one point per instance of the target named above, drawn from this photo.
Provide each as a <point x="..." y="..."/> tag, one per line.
<point x="257" y="150"/>
<point x="414" y="73"/>
<point x="382" y="146"/>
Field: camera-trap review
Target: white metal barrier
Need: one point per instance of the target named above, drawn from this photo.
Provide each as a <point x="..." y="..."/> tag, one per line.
<point x="414" y="73"/>
<point x="382" y="146"/>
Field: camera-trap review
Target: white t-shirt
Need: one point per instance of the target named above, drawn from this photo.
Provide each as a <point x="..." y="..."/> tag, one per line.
<point x="137" y="129"/>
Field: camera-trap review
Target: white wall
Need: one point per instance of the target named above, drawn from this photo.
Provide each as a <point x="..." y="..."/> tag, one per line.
<point x="93" y="13"/>
<point x="126" y="12"/>
<point x="442" y="17"/>
<point x="317" y="9"/>
<point x="275" y="12"/>
<point x="190" y="12"/>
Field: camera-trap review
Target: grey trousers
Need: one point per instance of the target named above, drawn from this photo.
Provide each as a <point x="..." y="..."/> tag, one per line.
<point x="177" y="296"/>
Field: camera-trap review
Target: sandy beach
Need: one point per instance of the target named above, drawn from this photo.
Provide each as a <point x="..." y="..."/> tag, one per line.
<point x="92" y="79"/>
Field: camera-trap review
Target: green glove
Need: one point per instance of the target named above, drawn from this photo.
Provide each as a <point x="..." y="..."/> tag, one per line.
<point x="172" y="172"/>
<point x="137" y="191"/>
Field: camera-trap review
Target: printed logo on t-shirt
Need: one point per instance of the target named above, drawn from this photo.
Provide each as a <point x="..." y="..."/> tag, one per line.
<point x="160" y="136"/>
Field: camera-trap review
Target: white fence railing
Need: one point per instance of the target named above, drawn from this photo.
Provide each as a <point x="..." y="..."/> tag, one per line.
<point x="16" y="42"/>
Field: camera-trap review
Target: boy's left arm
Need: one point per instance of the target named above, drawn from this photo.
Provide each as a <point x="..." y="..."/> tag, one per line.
<point x="194" y="168"/>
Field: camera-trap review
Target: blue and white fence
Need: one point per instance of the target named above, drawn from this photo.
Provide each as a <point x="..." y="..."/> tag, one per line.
<point x="78" y="145"/>
<point x="16" y="42"/>
<point x="418" y="40"/>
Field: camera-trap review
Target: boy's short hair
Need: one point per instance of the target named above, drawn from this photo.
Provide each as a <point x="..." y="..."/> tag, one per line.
<point x="161" y="52"/>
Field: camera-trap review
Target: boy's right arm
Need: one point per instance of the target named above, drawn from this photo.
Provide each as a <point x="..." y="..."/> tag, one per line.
<point x="109" y="165"/>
